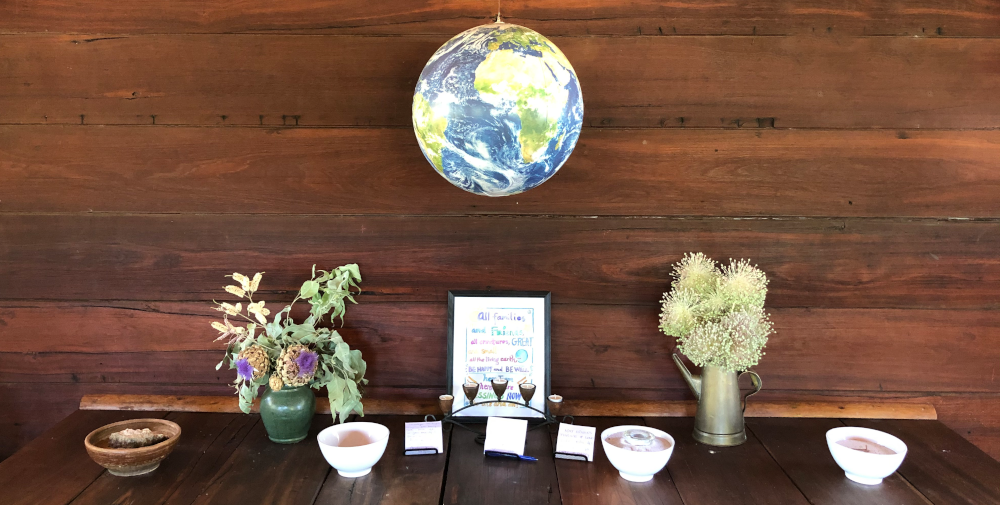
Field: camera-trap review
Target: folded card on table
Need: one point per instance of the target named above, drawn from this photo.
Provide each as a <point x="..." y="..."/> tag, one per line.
<point x="424" y="438"/>
<point x="575" y="439"/>
<point x="505" y="435"/>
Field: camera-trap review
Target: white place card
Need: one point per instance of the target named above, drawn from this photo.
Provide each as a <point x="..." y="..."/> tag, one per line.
<point x="505" y="435"/>
<point x="575" y="440"/>
<point x="423" y="438"/>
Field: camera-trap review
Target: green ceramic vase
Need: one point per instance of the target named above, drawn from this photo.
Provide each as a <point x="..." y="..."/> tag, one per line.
<point x="288" y="413"/>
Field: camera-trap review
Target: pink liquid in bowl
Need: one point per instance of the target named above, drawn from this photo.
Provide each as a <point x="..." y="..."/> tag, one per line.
<point x="865" y="445"/>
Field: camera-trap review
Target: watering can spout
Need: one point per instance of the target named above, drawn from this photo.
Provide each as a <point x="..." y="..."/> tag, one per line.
<point x="693" y="381"/>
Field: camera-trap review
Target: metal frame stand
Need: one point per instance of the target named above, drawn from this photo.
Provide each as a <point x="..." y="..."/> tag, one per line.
<point x="546" y="420"/>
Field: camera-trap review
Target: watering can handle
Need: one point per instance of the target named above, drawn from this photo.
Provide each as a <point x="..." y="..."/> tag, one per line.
<point x="757" y="384"/>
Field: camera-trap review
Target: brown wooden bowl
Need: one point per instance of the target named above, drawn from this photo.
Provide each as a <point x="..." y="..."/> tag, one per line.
<point x="129" y="462"/>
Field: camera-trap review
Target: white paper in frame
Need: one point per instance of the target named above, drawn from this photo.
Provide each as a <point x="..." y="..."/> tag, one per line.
<point x="498" y="334"/>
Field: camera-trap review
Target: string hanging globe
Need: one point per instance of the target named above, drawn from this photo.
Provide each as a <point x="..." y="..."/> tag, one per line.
<point x="497" y="109"/>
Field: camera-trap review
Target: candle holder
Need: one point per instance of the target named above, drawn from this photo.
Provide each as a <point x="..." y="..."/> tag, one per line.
<point x="527" y="391"/>
<point x="445" y="402"/>
<point x="555" y="404"/>
<point x="499" y="386"/>
<point x="471" y="391"/>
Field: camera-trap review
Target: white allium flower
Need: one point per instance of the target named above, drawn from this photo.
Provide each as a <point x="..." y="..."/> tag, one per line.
<point x="236" y="291"/>
<point x="717" y="316"/>
<point x="743" y="286"/>
<point x="695" y="272"/>
<point x="680" y="312"/>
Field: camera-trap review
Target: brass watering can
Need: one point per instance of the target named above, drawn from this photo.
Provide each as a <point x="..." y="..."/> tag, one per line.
<point x="719" y="420"/>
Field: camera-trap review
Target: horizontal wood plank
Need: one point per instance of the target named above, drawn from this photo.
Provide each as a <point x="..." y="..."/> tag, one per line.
<point x="673" y="172"/>
<point x="743" y="474"/>
<point x="396" y="479"/>
<point x="229" y="404"/>
<point x="56" y="468"/>
<point x="974" y="416"/>
<point x="576" y="17"/>
<point x="474" y="478"/>
<point x="763" y="408"/>
<point x="940" y="464"/>
<point x="208" y="440"/>
<point x="795" y="409"/>
<point x="294" y="472"/>
<point x="28" y="409"/>
<point x="860" y="349"/>
<point x="829" y="263"/>
<point x="598" y="482"/>
<point x="800" y="447"/>
<point x="627" y="81"/>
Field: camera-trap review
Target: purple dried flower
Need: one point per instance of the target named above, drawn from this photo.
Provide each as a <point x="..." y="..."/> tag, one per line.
<point x="307" y="362"/>
<point x="244" y="370"/>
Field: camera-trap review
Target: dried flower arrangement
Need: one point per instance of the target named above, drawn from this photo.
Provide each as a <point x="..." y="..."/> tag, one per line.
<point x="717" y="314"/>
<point x="284" y="353"/>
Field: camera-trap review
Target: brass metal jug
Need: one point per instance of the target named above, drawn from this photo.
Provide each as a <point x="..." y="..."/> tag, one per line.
<point x="719" y="420"/>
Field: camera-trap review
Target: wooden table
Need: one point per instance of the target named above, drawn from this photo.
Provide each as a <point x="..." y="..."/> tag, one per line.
<point x="227" y="458"/>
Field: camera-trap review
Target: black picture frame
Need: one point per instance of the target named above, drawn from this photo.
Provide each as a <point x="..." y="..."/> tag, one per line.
<point x="546" y="296"/>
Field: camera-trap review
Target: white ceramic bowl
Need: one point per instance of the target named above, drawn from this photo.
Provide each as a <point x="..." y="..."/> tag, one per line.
<point x="353" y="448"/>
<point x="863" y="467"/>
<point x="636" y="466"/>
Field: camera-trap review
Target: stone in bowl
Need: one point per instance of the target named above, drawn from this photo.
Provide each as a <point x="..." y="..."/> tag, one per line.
<point x="639" y="462"/>
<point x="137" y="461"/>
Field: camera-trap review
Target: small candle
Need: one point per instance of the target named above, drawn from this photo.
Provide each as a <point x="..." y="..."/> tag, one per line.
<point x="499" y="387"/>
<point x="471" y="389"/>
<point x="555" y="404"/>
<point x="865" y="445"/>
<point x="527" y="391"/>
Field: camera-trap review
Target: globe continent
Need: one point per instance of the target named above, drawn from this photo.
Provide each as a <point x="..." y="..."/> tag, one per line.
<point x="497" y="109"/>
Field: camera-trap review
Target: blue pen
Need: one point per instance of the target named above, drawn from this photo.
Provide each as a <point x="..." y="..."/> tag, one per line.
<point x="498" y="454"/>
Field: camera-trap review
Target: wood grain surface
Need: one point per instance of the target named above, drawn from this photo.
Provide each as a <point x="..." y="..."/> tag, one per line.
<point x="830" y="263"/>
<point x="595" y="339"/>
<point x="598" y="482"/>
<point x="584" y="355"/>
<point x="939" y="464"/>
<point x="228" y="459"/>
<point x="208" y="440"/>
<point x="668" y="172"/>
<point x="930" y="18"/>
<point x="849" y="149"/>
<point x="396" y="479"/>
<point x="292" y="80"/>
<point x="474" y="478"/>
<point x="48" y="471"/>
<point x="800" y="447"/>
<point x="294" y="473"/>
<point x="742" y="474"/>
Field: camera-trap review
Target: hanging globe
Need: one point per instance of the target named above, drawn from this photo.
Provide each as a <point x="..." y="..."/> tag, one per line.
<point x="497" y="109"/>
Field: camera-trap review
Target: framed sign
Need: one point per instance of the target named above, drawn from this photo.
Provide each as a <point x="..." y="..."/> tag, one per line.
<point x="499" y="335"/>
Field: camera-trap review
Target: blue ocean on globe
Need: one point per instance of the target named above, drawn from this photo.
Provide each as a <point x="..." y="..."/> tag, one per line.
<point x="497" y="109"/>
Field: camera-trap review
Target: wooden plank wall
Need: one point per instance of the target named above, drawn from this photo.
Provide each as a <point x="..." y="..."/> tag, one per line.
<point x="851" y="149"/>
